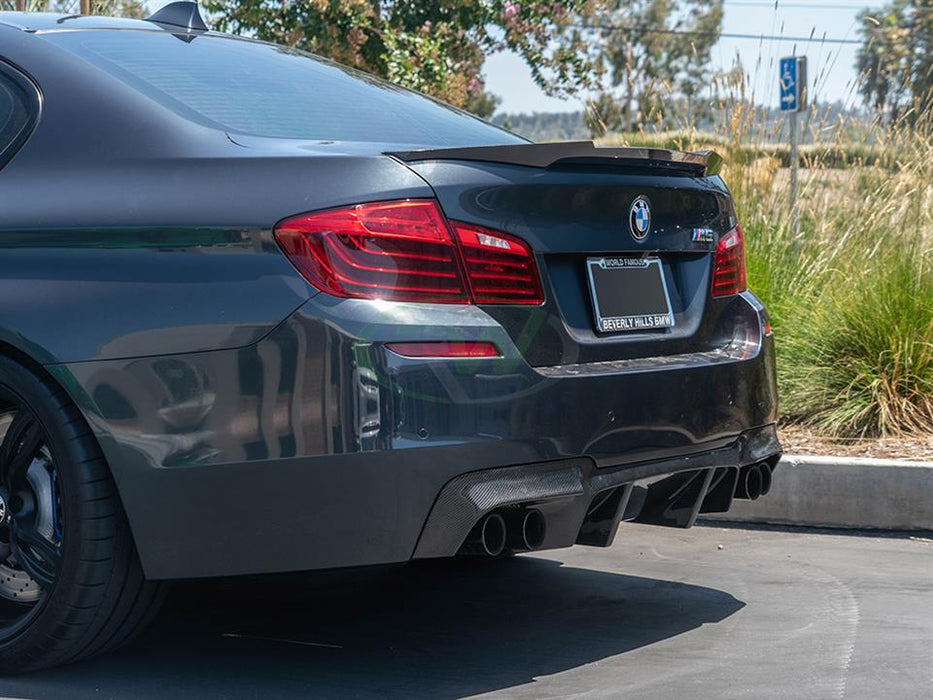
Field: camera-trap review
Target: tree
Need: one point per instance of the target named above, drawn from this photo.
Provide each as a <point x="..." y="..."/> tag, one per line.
<point x="895" y="61"/>
<point x="117" y="8"/>
<point x="654" y="49"/>
<point x="435" y="47"/>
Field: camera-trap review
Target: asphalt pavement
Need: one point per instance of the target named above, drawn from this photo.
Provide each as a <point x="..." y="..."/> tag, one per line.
<point x="705" y="613"/>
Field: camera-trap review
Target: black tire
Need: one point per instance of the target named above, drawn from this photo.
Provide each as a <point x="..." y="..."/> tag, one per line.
<point x="98" y="597"/>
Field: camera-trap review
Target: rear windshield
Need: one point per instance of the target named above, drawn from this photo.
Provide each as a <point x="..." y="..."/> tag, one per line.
<point x="13" y="113"/>
<point x="264" y="90"/>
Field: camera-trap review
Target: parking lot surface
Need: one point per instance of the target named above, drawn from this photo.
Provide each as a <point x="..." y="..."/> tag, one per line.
<point x="708" y="613"/>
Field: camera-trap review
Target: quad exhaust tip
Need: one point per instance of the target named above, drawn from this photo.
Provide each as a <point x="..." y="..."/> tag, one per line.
<point x="765" y="470"/>
<point x="526" y="529"/>
<point x="492" y="534"/>
<point x="754" y="482"/>
<point x="518" y="529"/>
<point x="534" y="528"/>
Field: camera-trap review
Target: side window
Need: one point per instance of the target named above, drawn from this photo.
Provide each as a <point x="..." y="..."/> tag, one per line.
<point x="18" y="109"/>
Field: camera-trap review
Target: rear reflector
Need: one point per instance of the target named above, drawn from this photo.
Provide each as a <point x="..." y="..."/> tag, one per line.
<point x="444" y="349"/>
<point x="405" y="251"/>
<point x="729" y="265"/>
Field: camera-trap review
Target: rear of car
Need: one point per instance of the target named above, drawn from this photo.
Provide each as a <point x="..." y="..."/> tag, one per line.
<point x="630" y="366"/>
<point x="313" y="320"/>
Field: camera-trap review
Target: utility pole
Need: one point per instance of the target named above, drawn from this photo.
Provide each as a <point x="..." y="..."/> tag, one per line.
<point x="85" y="7"/>
<point x="20" y="5"/>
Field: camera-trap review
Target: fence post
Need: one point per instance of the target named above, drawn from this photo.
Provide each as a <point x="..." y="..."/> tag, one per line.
<point x="20" y="5"/>
<point x="85" y="7"/>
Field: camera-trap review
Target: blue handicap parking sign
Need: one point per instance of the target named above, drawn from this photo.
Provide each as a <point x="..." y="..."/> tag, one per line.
<point x="788" y="82"/>
<point x="792" y="79"/>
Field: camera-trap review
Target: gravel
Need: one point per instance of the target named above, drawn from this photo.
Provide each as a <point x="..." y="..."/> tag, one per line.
<point x="798" y="440"/>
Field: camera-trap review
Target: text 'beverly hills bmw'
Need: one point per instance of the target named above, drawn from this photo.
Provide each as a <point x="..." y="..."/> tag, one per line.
<point x="262" y="313"/>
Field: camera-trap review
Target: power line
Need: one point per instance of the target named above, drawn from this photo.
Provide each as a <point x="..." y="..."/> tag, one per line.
<point x="803" y="5"/>
<point x="722" y="35"/>
<point x="781" y="5"/>
<point x="767" y="37"/>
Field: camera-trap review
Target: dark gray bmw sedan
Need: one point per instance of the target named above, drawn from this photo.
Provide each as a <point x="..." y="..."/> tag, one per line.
<point x="263" y="313"/>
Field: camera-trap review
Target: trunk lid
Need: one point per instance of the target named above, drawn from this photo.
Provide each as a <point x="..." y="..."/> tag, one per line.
<point x="573" y="202"/>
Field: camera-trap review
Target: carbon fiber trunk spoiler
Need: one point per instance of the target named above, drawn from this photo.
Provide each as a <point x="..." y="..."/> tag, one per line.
<point x="571" y="153"/>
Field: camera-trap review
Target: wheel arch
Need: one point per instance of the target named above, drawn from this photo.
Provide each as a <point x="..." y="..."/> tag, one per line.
<point x="100" y="596"/>
<point x="58" y="375"/>
<point x="40" y="361"/>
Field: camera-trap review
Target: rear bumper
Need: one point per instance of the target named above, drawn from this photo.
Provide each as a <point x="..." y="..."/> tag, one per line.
<point x="583" y="504"/>
<point x="317" y="448"/>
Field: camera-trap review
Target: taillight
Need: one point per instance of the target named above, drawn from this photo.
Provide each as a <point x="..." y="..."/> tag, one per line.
<point x="729" y="265"/>
<point x="405" y="251"/>
<point x="388" y="250"/>
<point x="501" y="269"/>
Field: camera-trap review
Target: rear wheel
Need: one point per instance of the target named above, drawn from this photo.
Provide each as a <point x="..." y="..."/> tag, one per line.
<point x="71" y="585"/>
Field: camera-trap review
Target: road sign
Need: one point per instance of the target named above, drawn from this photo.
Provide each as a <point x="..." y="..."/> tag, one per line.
<point x="793" y="83"/>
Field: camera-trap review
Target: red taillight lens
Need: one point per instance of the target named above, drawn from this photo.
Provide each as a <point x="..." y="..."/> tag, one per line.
<point x="401" y="251"/>
<point x="500" y="268"/>
<point x="404" y="251"/>
<point x="729" y="265"/>
<point x="444" y="349"/>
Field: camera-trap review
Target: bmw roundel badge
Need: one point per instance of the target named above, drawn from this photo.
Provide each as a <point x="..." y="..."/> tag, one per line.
<point x="639" y="217"/>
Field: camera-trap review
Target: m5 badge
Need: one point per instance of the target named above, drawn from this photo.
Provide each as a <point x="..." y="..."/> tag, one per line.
<point x="703" y="235"/>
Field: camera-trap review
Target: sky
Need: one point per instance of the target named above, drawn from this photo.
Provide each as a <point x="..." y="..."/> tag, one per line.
<point x="830" y="66"/>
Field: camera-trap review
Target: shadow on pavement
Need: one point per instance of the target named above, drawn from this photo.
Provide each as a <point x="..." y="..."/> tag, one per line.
<point x="437" y="629"/>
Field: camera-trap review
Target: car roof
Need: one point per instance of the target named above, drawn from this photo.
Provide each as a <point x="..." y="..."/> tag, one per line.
<point x="50" y="21"/>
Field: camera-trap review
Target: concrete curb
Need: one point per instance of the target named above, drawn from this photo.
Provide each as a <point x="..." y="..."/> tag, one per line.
<point x="844" y="492"/>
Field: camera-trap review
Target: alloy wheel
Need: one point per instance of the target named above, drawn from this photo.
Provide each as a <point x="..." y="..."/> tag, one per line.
<point x="30" y="518"/>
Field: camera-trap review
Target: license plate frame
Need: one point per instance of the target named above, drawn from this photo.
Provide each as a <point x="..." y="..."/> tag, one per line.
<point x="650" y="283"/>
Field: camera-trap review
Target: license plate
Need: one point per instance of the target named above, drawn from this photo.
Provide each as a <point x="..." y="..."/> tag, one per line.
<point x="629" y="294"/>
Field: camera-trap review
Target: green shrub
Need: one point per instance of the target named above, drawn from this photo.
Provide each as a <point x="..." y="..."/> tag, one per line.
<point x="859" y="360"/>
